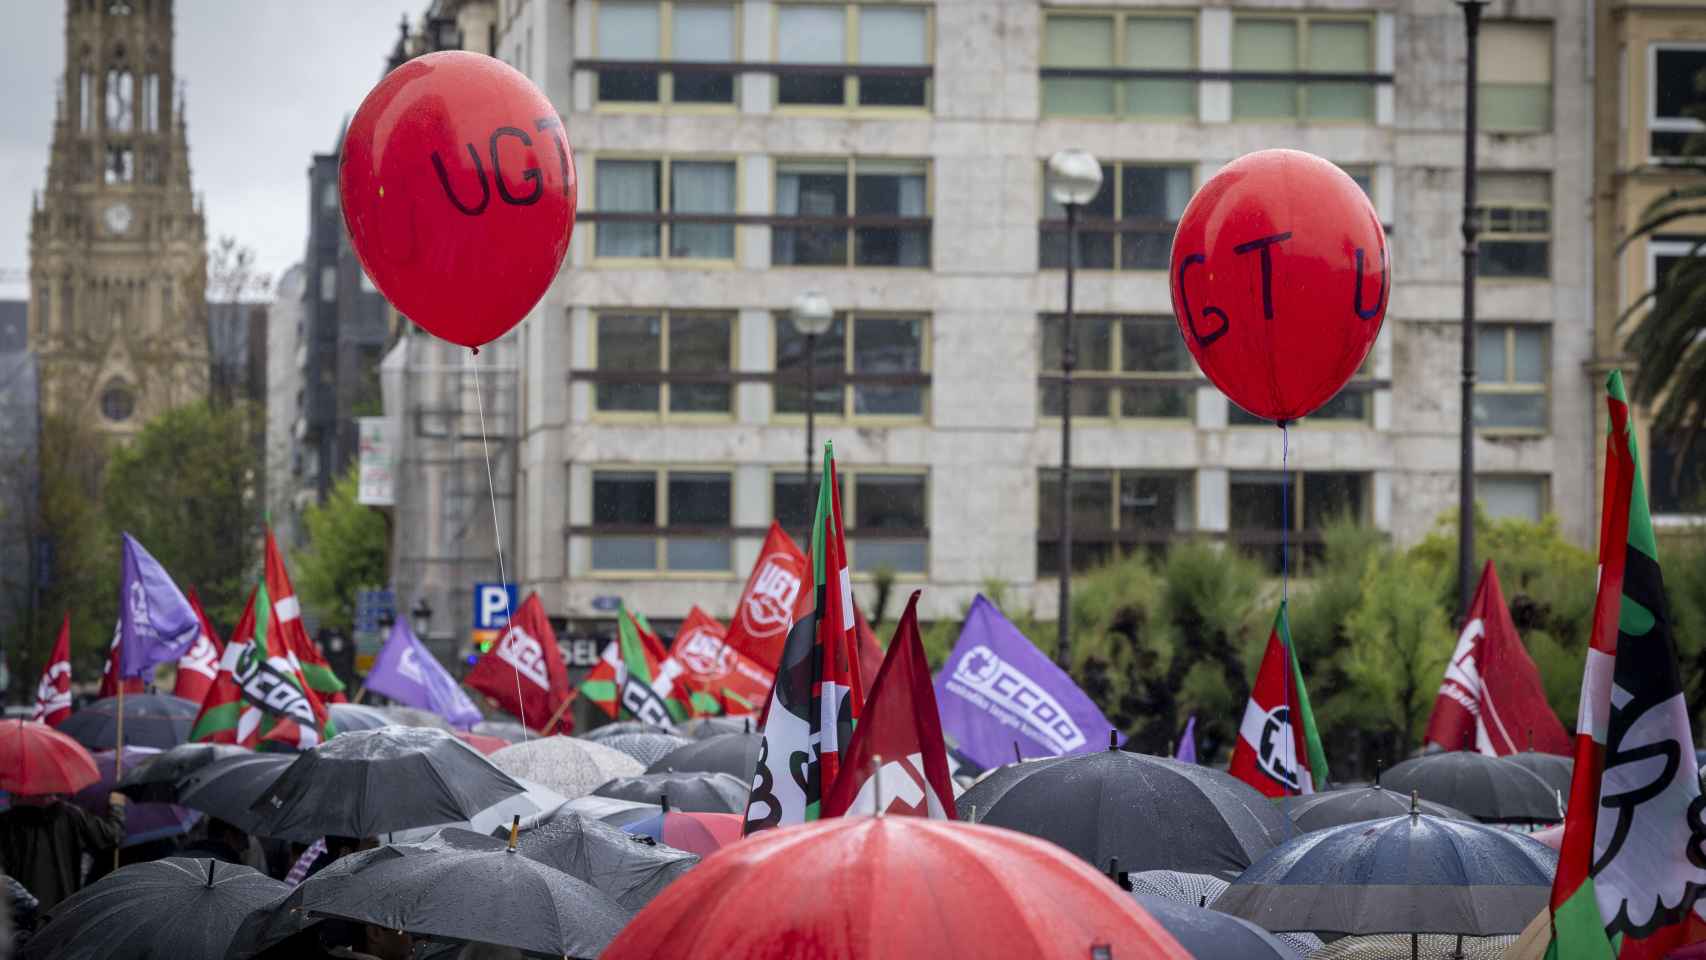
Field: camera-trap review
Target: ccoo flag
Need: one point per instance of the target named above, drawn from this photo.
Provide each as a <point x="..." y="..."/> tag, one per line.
<point x="524" y="670"/>
<point x="407" y="672"/>
<point x="1491" y="700"/>
<point x="53" y="693"/>
<point x="155" y="622"/>
<point x="1274" y="755"/>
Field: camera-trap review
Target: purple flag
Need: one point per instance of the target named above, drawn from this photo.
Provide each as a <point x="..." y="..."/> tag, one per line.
<point x="997" y="692"/>
<point x="1188" y="742"/>
<point x="155" y="622"/>
<point x="408" y="673"/>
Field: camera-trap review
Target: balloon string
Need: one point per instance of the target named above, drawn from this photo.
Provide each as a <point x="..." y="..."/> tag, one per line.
<point x="1285" y="511"/>
<point x="497" y="537"/>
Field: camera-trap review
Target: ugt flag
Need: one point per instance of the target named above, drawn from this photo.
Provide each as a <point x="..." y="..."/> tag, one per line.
<point x="766" y="608"/>
<point x="1274" y="754"/>
<point x="998" y="693"/>
<point x="53" y="693"/>
<point x="156" y="622"/>
<point x="524" y="670"/>
<point x="408" y="673"/>
<point x="737" y="682"/>
<point x="1491" y="700"/>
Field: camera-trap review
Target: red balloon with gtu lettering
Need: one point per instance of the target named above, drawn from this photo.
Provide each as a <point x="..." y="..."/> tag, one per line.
<point x="1280" y="279"/>
<point x="458" y="189"/>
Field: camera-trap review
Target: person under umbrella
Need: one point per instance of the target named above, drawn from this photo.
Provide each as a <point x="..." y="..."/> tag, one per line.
<point x="1490" y="789"/>
<point x="158" y="779"/>
<point x="735" y="754"/>
<point x="157" y="720"/>
<point x="629" y="869"/>
<point x="692" y="792"/>
<point x="43" y="837"/>
<point x="151" y="830"/>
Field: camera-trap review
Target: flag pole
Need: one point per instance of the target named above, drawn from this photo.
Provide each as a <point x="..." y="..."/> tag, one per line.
<point x="118" y="752"/>
<point x="551" y="724"/>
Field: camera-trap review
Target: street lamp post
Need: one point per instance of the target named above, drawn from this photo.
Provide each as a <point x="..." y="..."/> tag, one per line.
<point x="422" y="617"/>
<point x="813" y="318"/>
<point x="1471" y="264"/>
<point x="1074" y="179"/>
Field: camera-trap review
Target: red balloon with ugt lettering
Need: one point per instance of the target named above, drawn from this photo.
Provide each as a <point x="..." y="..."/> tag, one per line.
<point x="458" y="190"/>
<point x="1280" y="280"/>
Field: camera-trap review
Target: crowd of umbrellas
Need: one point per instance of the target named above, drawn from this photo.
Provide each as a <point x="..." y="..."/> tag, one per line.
<point x="591" y="845"/>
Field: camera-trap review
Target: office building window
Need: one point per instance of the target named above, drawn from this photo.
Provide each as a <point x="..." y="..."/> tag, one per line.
<point x="1288" y="45"/>
<point x="1665" y="252"/>
<point x="1128" y="225"/>
<point x="1259" y="511"/>
<point x="691" y="220"/>
<point x="664" y="39"/>
<point x="1352" y="404"/>
<point x="1672" y="93"/>
<point x="1113" y="512"/>
<point x="1510" y="371"/>
<point x="867" y="365"/>
<point x="889" y="224"/>
<point x="676" y="520"/>
<point x="1100" y="41"/>
<point x="328" y="284"/>
<point x="1676" y="469"/>
<point x="1514" y="92"/>
<point x="1125" y="368"/>
<point x="1516" y="225"/>
<point x="885" y="515"/>
<point x="886" y="48"/>
<point x="1512" y="496"/>
<point x="672" y="362"/>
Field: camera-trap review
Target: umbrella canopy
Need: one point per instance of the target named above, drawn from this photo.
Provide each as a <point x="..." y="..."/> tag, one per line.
<point x="351" y="717"/>
<point x="648" y="748"/>
<point x="1357" y="804"/>
<point x="621" y="727"/>
<point x="36" y="759"/>
<point x="414" y="717"/>
<point x="502" y="729"/>
<point x="606" y="810"/>
<point x="372" y="782"/>
<point x="700" y="833"/>
<point x="693" y="792"/>
<point x="1151" y="813"/>
<point x="173" y="909"/>
<point x="143" y="822"/>
<point x="1201" y="890"/>
<point x="1550" y="767"/>
<point x="1410" y="874"/>
<point x="1210" y="935"/>
<point x="158" y="780"/>
<point x="536" y="803"/>
<point x="700" y="728"/>
<point x="1430" y="946"/>
<point x="1489" y="789"/>
<point x="157" y="720"/>
<point x="735" y="754"/>
<point x="424" y="889"/>
<point x="816" y="887"/>
<point x="628" y="869"/>
<point x="487" y="745"/>
<point x="230" y="787"/>
<point x="992" y="785"/>
<point x="568" y="765"/>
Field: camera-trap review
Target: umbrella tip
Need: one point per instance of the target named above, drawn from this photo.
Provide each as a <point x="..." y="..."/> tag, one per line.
<point x="663" y="801"/>
<point x="1415" y="803"/>
<point x="877" y="781"/>
<point x="210" y="864"/>
<point x="971" y="814"/>
<point x="514" y="828"/>
<point x="1378" y="765"/>
<point x="1113" y="739"/>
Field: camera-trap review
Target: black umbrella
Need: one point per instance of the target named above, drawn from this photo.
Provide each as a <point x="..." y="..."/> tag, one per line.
<point x="735" y="754"/>
<point x="1410" y="874"/>
<point x="157" y="780"/>
<point x="992" y="786"/>
<point x="621" y="727"/>
<point x="371" y="782"/>
<point x="702" y="728"/>
<point x="351" y="717"/>
<point x="176" y="908"/>
<point x="689" y="792"/>
<point x="630" y="869"/>
<point x="157" y="720"/>
<point x="1211" y="935"/>
<point x="228" y="788"/>
<point x="1550" y="767"/>
<point x="1150" y="812"/>
<point x="647" y="748"/>
<point x="1487" y="788"/>
<point x="1356" y="804"/>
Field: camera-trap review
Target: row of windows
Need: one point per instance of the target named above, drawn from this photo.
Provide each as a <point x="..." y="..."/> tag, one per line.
<point x="681" y="520"/>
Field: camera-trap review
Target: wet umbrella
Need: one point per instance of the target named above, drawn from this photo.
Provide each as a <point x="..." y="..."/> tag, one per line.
<point x="606" y="810"/>
<point x="700" y="728"/>
<point x="1487" y="788"/>
<point x="413" y="717"/>
<point x="993" y="784"/>
<point x="487" y="745"/>
<point x="372" y="782"/>
<point x="36" y="759"/>
<point x="351" y="717"/>
<point x="1411" y="875"/>
<point x="158" y="780"/>
<point x="621" y="727"/>
<point x="735" y="754"/>
<point x="1210" y="935"/>
<point x="568" y="765"/>
<point x="1150" y="812"/>
<point x="177" y="908"/>
<point x="647" y="748"/>
<point x="143" y="822"/>
<point x="230" y="787"/>
<point x="157" y="720"/>
<point x="1201" y="890"/>
<point x="766" y="896"/>
<point x="631" y="870"/>
<point x="693" y="792"/>
<point x="533" y="805"/>
<point x="1550" y="767"/>
<point x="700" y="833"/>
<point x="1357" y="804"/>
<point x="1430" y="946"/>
<point x="502" y="729"/>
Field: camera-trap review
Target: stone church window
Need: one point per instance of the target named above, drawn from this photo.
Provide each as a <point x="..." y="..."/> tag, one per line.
<point x="67" y="307"/>
<point x="150" y="165"/>
<point x="86" y="100"/>
<point x="121" y="160"/>
<point x="118" y="8"/>
<point x="150" y="103"/>
<point x="117" y="402"/>
<point x="121" y="96"/>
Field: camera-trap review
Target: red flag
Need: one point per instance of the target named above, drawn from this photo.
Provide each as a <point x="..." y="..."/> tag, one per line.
<point x="901" y="731"/>
<point x="199" y="666"/>
<point x="53" y="694"/>
<point x="222" y="715"/>
<point x="1278" y="750"/>
<point x="311" y="661"/>
<point x="767" y="606"/>
<point x="738" y="683"/>
<point x="870" y="650"/>
<point x="527" y="658"/>
<point x="109" y="674"/>
<point x="1491" y="700"/>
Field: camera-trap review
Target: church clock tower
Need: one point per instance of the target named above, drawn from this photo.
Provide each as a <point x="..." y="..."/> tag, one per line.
<point x="118" y="259"/>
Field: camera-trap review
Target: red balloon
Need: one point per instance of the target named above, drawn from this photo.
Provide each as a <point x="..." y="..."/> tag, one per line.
<point x="458" y="190"/>
<point x="1280" y="279"/>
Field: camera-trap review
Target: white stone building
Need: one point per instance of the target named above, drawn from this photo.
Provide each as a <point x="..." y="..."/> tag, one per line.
<point x="890" y="155"/>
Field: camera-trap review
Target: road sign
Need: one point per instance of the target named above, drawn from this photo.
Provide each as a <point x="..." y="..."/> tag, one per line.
<point x="493" y="604"/>
<point x="372" y="609"/>
<point x="606" y="603"/>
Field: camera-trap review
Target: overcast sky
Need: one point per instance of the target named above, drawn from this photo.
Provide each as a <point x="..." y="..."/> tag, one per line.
<point x="268" y="83"/>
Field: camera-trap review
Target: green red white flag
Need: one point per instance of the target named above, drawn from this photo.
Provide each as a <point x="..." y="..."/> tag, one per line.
<point x="260" y="693"/>
<point x="1279" y="750"/>
<point x="315" y="669"/>
<point x="637" y="678"/>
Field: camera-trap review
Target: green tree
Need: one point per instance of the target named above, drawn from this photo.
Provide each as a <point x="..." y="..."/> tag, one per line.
<point x="1400" y="640"/>
<point x="346" y="552"/>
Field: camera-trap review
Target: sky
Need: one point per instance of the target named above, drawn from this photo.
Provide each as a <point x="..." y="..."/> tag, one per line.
<point x="267" y="83"/>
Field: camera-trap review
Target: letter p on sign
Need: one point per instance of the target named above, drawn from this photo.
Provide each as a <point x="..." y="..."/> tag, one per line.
<point x="493" y="605"/>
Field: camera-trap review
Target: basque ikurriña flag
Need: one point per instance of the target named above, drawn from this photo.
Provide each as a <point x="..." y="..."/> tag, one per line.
<point x="1275" y="755"/>
<point x="524" y="670"/>
<point x="315" y="669"/>
<point x="816" y="701"/>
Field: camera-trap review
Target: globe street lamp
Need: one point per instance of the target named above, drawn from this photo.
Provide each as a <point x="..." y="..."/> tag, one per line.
<point x="813" y="318"/>
<point x="1074" y="179"/>
<point x="422" y="616"/>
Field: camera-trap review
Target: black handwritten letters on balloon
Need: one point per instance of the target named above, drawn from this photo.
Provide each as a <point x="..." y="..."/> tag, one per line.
<point x="530" y="175"/>
<point x="1214" y="322"/>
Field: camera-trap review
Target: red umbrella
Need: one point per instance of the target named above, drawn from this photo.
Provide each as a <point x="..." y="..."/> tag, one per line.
<point x="893" y="887"/>
<point x="485" y="744"/>
<point x="701" y="833"/>
<point x="36" y="759"/>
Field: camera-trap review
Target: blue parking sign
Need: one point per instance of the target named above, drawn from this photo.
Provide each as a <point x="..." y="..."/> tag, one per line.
<point x="493" y="604"/>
